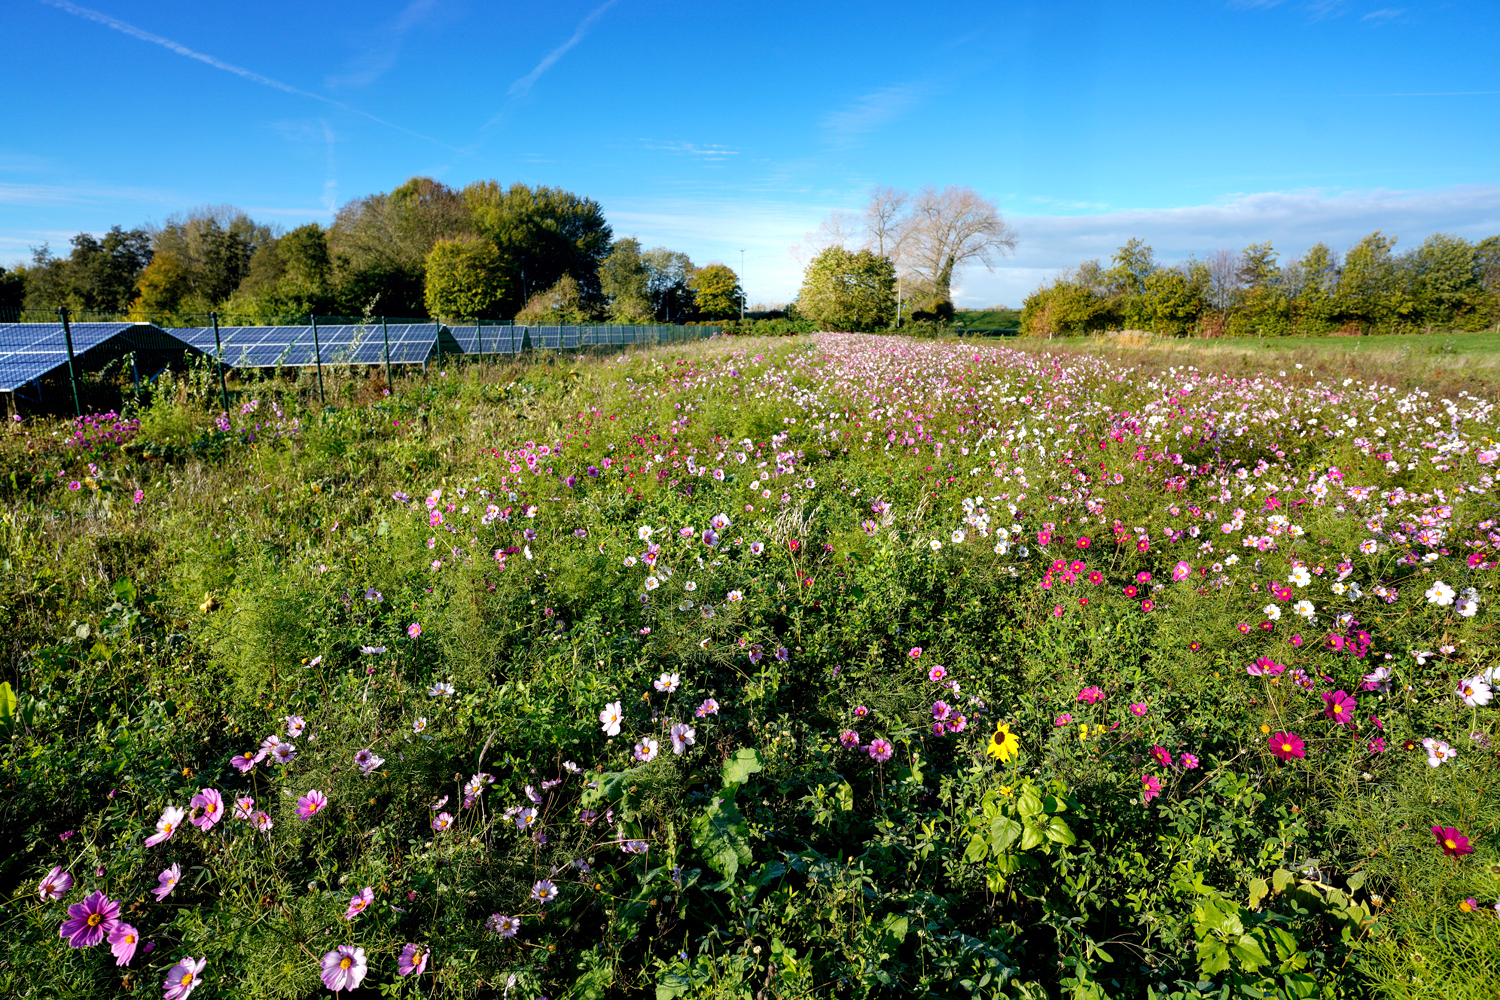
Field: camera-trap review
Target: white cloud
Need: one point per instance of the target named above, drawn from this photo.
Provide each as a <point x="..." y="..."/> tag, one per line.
<point x="521" y="86"/>
<point x="870" y="113"/>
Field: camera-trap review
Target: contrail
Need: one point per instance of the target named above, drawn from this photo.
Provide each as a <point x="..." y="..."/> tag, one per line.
<point x="522" y="85"/>
<point x="183" y="50"/>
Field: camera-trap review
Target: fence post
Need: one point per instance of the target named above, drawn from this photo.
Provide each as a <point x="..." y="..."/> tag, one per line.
<point x="72" y="374"/>
<point x="386" y="336"/>
<point x="318" y="359"/>
<point x="219" y="345"/>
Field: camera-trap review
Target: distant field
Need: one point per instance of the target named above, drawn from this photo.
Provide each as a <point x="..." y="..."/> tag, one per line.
<point x="1003" y="319"/>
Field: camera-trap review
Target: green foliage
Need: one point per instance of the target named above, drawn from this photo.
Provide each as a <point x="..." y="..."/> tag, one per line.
<point x="849" y="291"/>
<point x="716" y="292"/>
<point x="467" y="278"/>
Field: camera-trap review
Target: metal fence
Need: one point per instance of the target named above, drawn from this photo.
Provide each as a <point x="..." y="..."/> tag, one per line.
<point x="27" y="343"/>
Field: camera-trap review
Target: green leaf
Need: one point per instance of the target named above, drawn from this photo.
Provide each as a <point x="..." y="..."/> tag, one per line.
<point x="1003" y="833"/>
<point x="1259" y="888"/>
<point x="1213" y="957"/>
<point x="722" y="834"/>
<point x="1028" y="803"/>
<point x="1281" y="878"/>
<point x="1250" y="952"/>
<point x="1356" y="881"/>
<point x="7" y="705"/>
<point x="745" y="762"/>
<point x="1059" y="832"/>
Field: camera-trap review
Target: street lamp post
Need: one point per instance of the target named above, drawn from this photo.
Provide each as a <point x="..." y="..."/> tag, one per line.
<point x="742" y="286"/>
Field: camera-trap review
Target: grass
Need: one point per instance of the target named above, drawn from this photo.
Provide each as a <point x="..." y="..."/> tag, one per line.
<point x="1008" y="319"/>
<point x="936" y="669"/>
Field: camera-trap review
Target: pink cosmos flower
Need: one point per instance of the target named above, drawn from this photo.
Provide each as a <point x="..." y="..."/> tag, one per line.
<point x="1152" y="784"/>
<point x="1377" y="745"/>
<point x="709" y="707"/>
<point x="1287" y="745"/>
<point x="244" y="806"/>
<point x="171" y="819"/>
<point x="212" y="805"/>
<point x="359" y="901"/>
<point x="1148" y="605"/>
<point x="1338" y="706"/>
<point x="90" y="921"/>
<point x="55" y="885"/>
<point x="1083" y="542"/>
<point x="1162" y="756"/>
<point x="245" y="761"/>
<point x="849" y="738"/>
<point x="940" y="710"/>
<point x="1062" y="720"/>
<point x="1449" y="840"/>
<point x="1182" y="570"/>
<point x="937" y="673"/>
<point x="344" y="968"/>
<point x="413" y="960"/>
<point x="880" y="750"/>
<point x="956" y="723"/>
<point x="183" y="978"/>
<point x="413" y="630"/>
<point x="122" y="942"/>
<point x="1138" y="708"/>
<point x="916" y="652"/>
<point x="861" y="711"/>
<point x="262" y="820"/>
<point x="1264" y="666"/>
<point x="1090" y="695"/>
<point x="167" y="881"/>
<point x="1188" y="762"/>
<point x="311" y="804"/>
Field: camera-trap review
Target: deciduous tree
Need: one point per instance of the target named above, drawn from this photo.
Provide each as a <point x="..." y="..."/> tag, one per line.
<point x="849" y="291"/>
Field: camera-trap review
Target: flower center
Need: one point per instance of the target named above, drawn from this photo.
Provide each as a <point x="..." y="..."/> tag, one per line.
<point x="130" y="939"/>
<point x="1451" y="845"/>
<point x="94" y="919"/>
<point x="187" y="977"/>
<point x="344" y="963"/>
<point x="1337" y="709"/>
<point x="166" y="828"/>
<point x="1286" y="747"/>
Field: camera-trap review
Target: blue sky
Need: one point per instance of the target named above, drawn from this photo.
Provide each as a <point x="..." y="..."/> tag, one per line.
<point x="1194" y="125"/>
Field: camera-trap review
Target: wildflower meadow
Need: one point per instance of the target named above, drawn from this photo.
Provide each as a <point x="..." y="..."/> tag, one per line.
<point x="843" y="665"/>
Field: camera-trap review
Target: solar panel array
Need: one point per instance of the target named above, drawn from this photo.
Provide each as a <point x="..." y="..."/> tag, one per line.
<point x="30" y="350"/>
<point x="288" y="346"/>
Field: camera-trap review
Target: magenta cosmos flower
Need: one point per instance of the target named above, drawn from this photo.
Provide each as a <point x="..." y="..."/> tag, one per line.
<point x="183" y="979"/>
<point x="208" y="808"/>
<point x="90" y="921"/>
<point x="849" y="738"/>
<point x="359" y="902"/>
<point x="311" y="804"/>
<point x="1138" y="708"/>
<point x="1152" y="786"/>
<point x="413" y="960"/>
<point x="167" y="881"/>
<point x="171" y="819"/>
<point x="1162" y="756"/>
<point x="344" y="968"/>
<point x="413" y="630"/>
<point x="122" y="942"/>
<point x="916" y="652"/>
<point x="937" y="673"/>
<point x="881" y="750"/>
<point x="55" y="885"/>
<point x="1452" y="843"/>
<point x="1338" y="706"/>
<point x="1090" y="695"/>
<point x="1287" y="745"/>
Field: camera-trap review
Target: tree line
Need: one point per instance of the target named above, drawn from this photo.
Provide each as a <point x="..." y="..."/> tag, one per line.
<point x="535" y="254"/>
<point x="1446" y="283"/>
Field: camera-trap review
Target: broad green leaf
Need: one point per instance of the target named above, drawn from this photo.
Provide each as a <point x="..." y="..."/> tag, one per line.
<point x="1281" y="878"/>
<point x="1059" y="832"/>
<point x="1356" y="881"/>
<point x="1250" y="952"/>
<point x="1259" y="888"/>
<point x="745" y="762"/>
<point x="1028" y="803"/>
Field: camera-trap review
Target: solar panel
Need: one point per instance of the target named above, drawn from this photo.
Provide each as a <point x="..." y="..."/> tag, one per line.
<point x="345" y="344"/>
<point x="30" y="350"/>
<point x="506" y="339"/>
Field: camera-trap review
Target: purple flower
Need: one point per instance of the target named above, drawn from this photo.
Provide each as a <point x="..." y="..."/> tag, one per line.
<point x="311" y="804"/>
<point x="413" y="630"/>
<point x="122" y="941"/>
<point x="413" y="960"/>
<point x="940" y="710"/>
<point x="344" y="968"/>
<point x="171" y="819"/>
<point x="367" y="761"/>
<point x="359" y="901"/>
<point x="167" y="881"/>
<point x="709" y="707"/>
<point x="90" y="921"/>
<point x="505" y="926"/>
<point x="245" y="761"/>
<point x="544" y="891"/>
<point x="1188" y="762"/>
<point x="212" y="804"/>
<point x="183" y="978"/>
<point x="849" y="738"/>
<point x="881" y="750"/>
<point x="55" y="885"/>
<point x="1152" y="785"/>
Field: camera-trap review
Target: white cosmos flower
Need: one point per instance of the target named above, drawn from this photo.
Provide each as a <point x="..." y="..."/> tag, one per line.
<point x="935" y="544"/>
<point x="1273" y="612"/>
<point x="1474" y="691"/>
<point x="611" y="718"/>
<point x="1440" y="594"/>
<point x="1300" y="576"/>
<point x="1305" y="609"/>
<point x="957" y="536"/>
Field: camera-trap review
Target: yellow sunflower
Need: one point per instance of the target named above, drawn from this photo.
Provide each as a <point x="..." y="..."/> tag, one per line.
<point x="1003" y="744"/>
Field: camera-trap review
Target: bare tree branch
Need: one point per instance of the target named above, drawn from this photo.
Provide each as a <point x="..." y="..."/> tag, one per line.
<point x="950" y="229"/>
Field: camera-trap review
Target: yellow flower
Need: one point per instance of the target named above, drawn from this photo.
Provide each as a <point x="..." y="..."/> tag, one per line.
<point x="1005" y="790"/>
<point x="1083" y="731"/>
<point x="1265" y="729"/>
<point x="1003" y="744"/>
